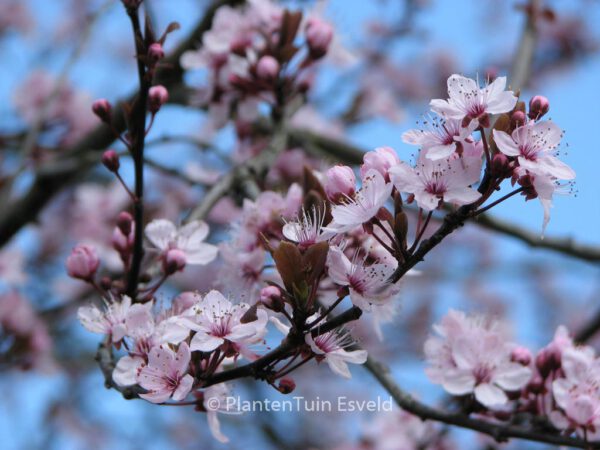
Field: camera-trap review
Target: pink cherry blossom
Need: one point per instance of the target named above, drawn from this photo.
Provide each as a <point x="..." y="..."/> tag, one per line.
<point x="189" y="239"/>
<point x="433" y="182"/>
<point x="578" y="393"/>
<point x="217" y="321"/>
<point x="83" y="262"/>
<point x="534" y="146"/>
<point x="111" y="321"/>
<point x="331" y="347"/>
<point x="538" y="185"/>
<point x="441" y="137"/>
<point x="340" y="182"/>
<point x="217" y="399"/>
<point x="367" y="283"/>
<point x="308" y="229"/>
<point x="364" y="206"/>
<point x="472" y="355"/>
<point x="469" y="101"/>
<point x="381" y="159"/>
<point x="166" y="375"/>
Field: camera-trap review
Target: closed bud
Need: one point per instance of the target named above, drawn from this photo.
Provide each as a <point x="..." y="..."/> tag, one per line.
<point x="157" y="96"/>
<point x="517" y="119"/>
<point x="125" y="222"/>
<point x="521" y="355"/>
<point x="173" y="261"/>
<point x="110" y="159"/>
<point x="103" y="109"/>
<point x="538" y="106"/>
<point x="267" y="68"/>
<point x="501" y="166"/>
<point x="83" y="262"/>
<point x="155" y="53"/>
<point x="270" y="296"/>
<point x="239" y="45"/>
<point x="319" y="35"/>
<point x="286" y="385"/>
<point x="340" y="183"/>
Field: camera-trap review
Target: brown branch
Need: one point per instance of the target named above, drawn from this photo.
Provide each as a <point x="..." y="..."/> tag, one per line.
<point x="500" y="432"/>
<point x="26" y="209"/>
<point x="521" y="67"/>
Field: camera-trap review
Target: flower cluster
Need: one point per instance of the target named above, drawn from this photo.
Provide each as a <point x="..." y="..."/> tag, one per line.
<point x="473" y="358"/>
<point x="251" y="57"/>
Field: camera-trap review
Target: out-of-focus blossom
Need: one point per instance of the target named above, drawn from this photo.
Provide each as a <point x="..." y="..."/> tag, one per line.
<point x="472" y="355"/>
<point x="189" y="239"/>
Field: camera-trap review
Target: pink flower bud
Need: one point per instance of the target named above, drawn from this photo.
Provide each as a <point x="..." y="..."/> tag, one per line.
<point x="518" y="118"/>
<point x="267" y="68"/>
<point x="239" y="45"/>
<point x="123" y="242"/>
<point x="380" y="159"/>
<point x="125" y="222"/>
<point x="501" y="166"/>
<point x="547" y="361"/>
<point x="270" y="296"/>
<point x="157" y="96"/>
<point x="538" y="106"/>
<point x="83" y="262"/>
<point x="286" y="385"/>
<point x="110" y="159"/>
<point x="340" y="183"/>
<point x="173" y="261"/>
<point x="103" y="109"/>
<point x="319" y="35"/>
<point x="521" y="355"/>
<point x="155" y="53"/>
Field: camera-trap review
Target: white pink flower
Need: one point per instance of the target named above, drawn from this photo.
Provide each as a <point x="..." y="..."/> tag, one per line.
<point x="534" y="144"/>
<point x="578" y="393"/>
<point x="331" y="347"/>
<point x="433" y="182"/>
<point x="381" y="159"/>
<point x="217" y="321"/>
<point x="307" y="229"/>
<point x="166" y="375"/>
<point x="365" y="205"/>
<point x="472" y="355"/>
<point x="188" y="239"/>
<point x="111" y="321"/>
<point x="469" y="102"/>
<point x="440" y="138"/>
<point x="368" y="284"/>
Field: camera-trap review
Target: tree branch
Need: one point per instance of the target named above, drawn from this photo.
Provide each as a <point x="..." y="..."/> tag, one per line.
<point x="25" y="209"/>
<point x="500" y="432"/>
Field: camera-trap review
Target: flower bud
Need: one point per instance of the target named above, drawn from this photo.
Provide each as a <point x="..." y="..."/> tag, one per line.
<point x="125" y="222"/>
<point x="319" y="35"/>
<point x="157" y="96"/>
<point x="538" y="106"/>
<point x="83" y="262"/>
<point x="239" y="45"/>
<point x="155" y="53"/>
<point x="501" y="166"/>
<point x="270" y="296"/>
<point x="380" y="159"/>
<point x="286" y="385"/>
<point x="267" y="68"/>
<point x="521" y="355"/>
<point x="546" y="361"/>
<point x="173" y="261"/>
<point x="110" y="159"/>
<point x="340" y="183"/>
<point x="103" y="109"/>
<point x="518" y="118"/>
